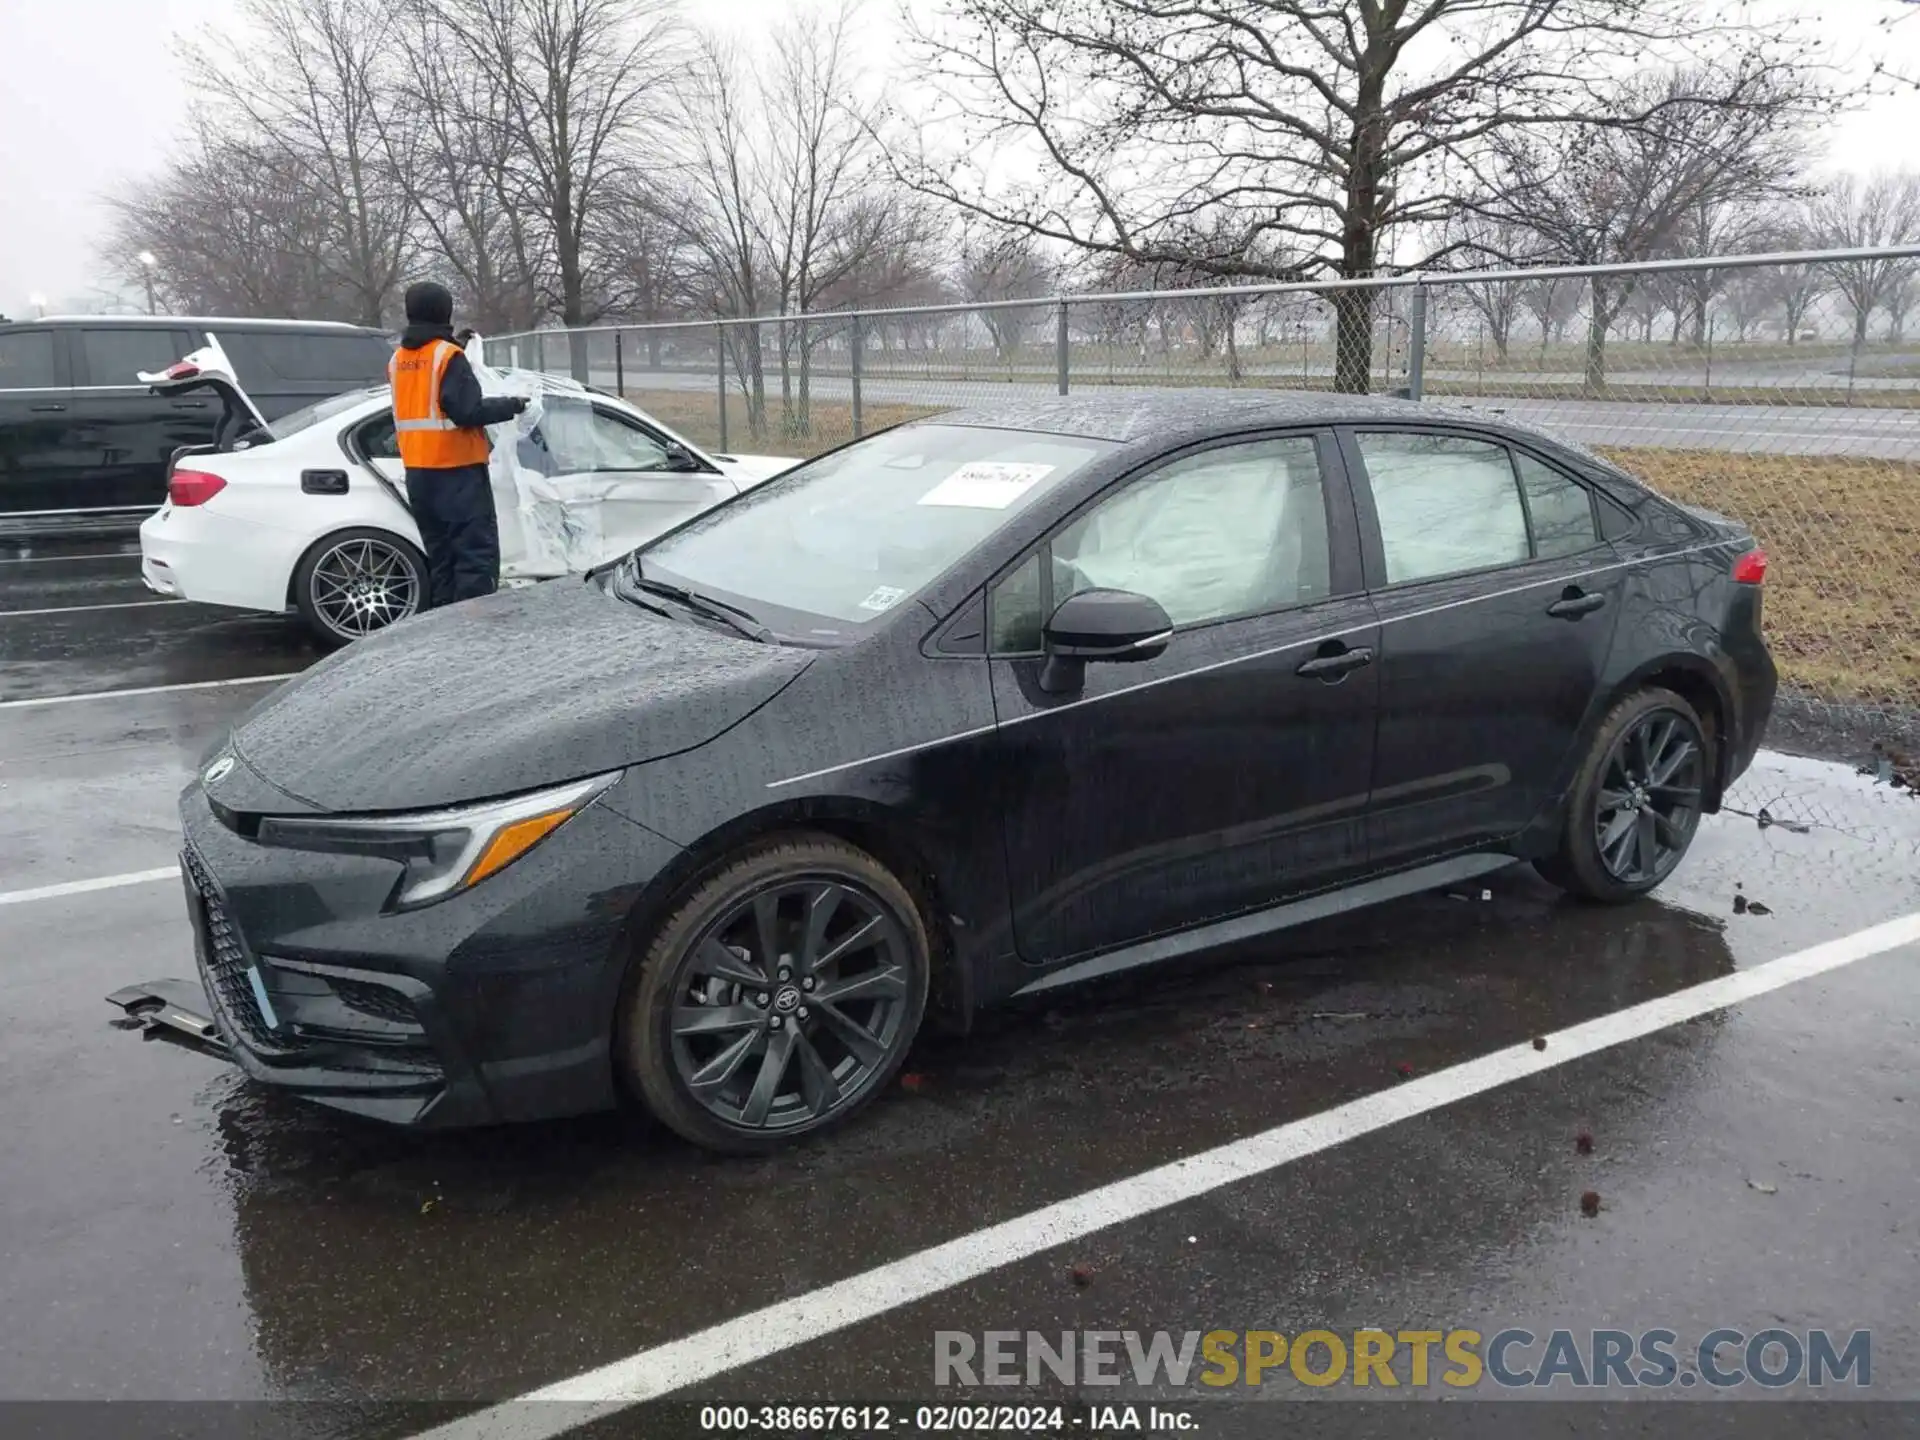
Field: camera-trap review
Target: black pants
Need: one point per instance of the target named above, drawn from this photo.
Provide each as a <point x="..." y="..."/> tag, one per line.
<point x="453" y="510"/>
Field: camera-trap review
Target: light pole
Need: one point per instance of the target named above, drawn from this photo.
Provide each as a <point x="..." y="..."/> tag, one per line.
<point x="147" y="262"/>
<point x="39" y="303"/>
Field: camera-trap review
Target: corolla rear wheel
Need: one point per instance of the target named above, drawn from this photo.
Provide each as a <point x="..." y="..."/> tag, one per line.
<point x="779" y="999"/>
<point x="1637" y="800"/>
<point x="355" y="582"/>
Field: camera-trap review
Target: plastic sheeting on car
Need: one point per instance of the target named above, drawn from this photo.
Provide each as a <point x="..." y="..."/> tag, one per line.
<point x="574" y="489"/>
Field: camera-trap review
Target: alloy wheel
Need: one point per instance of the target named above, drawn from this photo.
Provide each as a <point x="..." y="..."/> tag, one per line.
<point x="789" y="1006"/>
<point x="1651" y="791"/>
<point x="362" y="585"/>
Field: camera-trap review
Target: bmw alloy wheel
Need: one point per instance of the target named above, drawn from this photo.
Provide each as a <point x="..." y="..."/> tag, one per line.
<point x="361" y="584"/>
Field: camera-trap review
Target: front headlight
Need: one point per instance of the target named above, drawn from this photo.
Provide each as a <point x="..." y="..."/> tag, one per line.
<point x="443" y="851"/>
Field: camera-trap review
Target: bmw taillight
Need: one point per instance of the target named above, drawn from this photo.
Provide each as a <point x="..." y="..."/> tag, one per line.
<point x="1750" y="568"/>
<point x="193" y="487"/>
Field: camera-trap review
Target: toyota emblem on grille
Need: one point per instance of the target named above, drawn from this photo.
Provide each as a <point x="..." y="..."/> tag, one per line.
<point x="219" y="770"/>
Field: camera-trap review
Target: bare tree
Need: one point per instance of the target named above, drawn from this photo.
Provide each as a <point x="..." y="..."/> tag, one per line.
<point x="305" y="81"/>
<point x="1000" y="269"/>
<point x="1849" y="215"/>
<point x="1552" y="303"/>
<point x="452" y="137"/>
<point x="1481" y="242"/>
<point x="1607" y="192"/>
<point x="572" y="87"/>
<point x="1324" y="126"/>
<point x="235" y="228"/>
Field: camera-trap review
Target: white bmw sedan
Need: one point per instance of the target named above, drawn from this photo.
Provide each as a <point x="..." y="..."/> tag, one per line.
<point x="309" y="514"/>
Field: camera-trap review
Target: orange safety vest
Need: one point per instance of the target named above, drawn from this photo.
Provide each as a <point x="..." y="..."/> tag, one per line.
<point x="427" y="439"/>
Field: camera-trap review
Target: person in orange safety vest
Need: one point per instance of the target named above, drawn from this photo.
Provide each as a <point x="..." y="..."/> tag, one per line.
<point x="439" y="417"/>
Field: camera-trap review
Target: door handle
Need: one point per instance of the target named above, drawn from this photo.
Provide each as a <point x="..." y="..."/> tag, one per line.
<point x="46" y="409"/>
<point x="1335" y="666"/>
<point x="189" y="404"/>
<point x="1574" y="603"/>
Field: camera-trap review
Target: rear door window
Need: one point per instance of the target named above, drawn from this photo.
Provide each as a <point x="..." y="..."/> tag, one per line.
<point x="116" y="356"/>
<point x="1445" y="504"/>
<point x="27" y="360"/>
<point x="1559" y="510"/>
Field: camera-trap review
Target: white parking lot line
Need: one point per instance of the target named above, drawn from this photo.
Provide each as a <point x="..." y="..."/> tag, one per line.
<point x="782" y="1326"/>
<point x="79" y="609"/>
<point x="83" y="887"/>
<point x="149" y="689"/>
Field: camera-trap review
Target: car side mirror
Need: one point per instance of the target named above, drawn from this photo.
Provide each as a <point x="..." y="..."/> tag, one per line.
<point x="679" y="458"/>
<point x="1101" y="625"/>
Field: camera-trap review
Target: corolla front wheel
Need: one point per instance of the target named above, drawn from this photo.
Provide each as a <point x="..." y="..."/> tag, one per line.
<point x="779" y="999"/>
<point x="355" y="582"/>
<point x="1636" y="801"/>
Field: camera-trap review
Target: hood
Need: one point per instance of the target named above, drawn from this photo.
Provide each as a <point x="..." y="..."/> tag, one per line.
<point x="525" y="688"/>
<point x="749" y="470"/>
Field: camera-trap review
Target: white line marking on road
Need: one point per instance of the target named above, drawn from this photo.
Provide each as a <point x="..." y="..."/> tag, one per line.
<point x="133" y="555"/>
<point x="77" y="609"/>
<point x="150" y="690"/>
<point x="86" y="887"/>
<point x="789" y="1323"/>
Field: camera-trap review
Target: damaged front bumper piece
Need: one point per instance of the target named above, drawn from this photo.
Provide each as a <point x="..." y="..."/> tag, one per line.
<point x="172" y="1010"/>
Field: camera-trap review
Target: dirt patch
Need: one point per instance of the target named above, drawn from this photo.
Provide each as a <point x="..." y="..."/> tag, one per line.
<point x="1841" y="536"/>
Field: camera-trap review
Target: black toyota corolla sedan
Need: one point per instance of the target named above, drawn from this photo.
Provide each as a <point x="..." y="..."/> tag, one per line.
<point x="975" y="707"/>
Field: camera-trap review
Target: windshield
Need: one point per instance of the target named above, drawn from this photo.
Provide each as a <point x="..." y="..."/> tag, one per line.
<point x="295" y="421"/>
<point x="841" y="541"/>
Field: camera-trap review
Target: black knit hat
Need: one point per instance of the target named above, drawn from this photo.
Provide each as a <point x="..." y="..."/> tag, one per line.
<point x="429" y="303"/>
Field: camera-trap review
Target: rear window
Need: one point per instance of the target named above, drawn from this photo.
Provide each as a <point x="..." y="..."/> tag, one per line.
<point x="26" y="360"/>
<point x="340" y="359"/>
<point x="116" y="357"/>
<point x="298" y="420"/>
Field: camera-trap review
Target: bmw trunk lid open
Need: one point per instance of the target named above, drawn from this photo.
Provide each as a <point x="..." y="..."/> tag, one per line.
<point x="973" y="708"/>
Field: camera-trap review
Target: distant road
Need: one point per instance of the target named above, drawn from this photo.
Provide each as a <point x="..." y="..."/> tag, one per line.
<point x="1749" y="429"/>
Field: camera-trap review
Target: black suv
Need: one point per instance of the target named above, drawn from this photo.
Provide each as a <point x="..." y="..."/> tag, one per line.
<point x="83" y="443"/>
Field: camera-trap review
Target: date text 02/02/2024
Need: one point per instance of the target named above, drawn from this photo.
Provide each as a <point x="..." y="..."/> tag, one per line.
<point x="1092" y="1420"/>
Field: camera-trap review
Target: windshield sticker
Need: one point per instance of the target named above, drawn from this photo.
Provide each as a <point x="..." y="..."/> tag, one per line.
<point x="986" y="485"/>
<point x="882" y="598"/>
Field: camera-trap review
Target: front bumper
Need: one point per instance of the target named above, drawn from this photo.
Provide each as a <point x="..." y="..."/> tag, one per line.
<point x="494" y="1005"/>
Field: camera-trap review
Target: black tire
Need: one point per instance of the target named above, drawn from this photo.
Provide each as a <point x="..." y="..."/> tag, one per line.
<point x="1600" y="857"/>
<point x="733" y="1053"/>
<point x="389" y="570"/>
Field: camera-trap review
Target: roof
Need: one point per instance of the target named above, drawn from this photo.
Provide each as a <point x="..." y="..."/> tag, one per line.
<point x="1124" y="415"/>
<point x="230" y="322"/>
<point x="1181" y="415"/>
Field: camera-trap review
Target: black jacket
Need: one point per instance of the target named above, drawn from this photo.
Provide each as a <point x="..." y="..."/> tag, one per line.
<point x="460" y="397"/>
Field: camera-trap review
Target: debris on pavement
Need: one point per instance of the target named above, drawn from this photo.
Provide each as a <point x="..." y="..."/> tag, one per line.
<point x="1590" y="1203"/>
<point x="911" y="1080"/>
<point x="1403" y="1070"/>
<point x="1539" y="1042"/>
<point x="1339" y="1015"/>
<point x="1583" y="1142"/>
<point x="1082" y="1275"/>
<point x="1766" y="818"/>
<point x="1764" y="1187"/>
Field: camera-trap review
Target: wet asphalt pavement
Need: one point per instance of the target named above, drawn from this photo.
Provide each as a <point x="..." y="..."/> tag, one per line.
<point x="169" y="1233"/>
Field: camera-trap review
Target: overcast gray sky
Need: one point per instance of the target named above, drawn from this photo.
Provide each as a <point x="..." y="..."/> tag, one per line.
<point x="93" y="97"/>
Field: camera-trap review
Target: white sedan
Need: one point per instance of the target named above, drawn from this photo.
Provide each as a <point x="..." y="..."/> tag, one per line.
<point x="308" y="513"/>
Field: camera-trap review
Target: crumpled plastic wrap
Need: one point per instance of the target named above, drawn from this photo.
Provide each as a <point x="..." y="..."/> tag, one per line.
<point x="543" y="530"/>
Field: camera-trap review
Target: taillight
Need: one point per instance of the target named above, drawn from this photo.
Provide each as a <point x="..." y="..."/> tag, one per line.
<point x="1750" y="568"/>
<point x="193" y="487"/>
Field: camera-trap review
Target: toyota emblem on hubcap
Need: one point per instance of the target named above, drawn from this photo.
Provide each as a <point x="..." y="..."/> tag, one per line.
<point x="787" y="1000"/>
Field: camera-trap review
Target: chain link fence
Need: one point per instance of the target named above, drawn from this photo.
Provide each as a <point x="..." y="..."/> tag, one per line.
<point x="1782" y="390"/>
